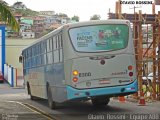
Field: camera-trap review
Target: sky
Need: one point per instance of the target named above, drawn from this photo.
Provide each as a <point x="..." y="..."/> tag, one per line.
<point x="82" y="8"/>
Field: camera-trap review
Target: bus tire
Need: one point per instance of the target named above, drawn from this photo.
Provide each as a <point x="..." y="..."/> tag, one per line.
<point x="29" y="92"/>
<point x="100" y="101"/>
<point x="51" y="103"/>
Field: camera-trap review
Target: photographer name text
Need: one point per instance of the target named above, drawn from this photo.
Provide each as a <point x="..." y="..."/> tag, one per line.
<point x="136" y="2"/>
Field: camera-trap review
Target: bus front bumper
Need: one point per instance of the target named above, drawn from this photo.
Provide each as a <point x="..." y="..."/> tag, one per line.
<point x="73" y="93"/>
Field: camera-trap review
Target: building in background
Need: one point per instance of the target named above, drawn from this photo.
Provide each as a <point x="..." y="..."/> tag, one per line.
<point x="26" y="28"/>
<point x="50" y="20"/>
<point x="18" y="16"/>
<point x="13" y="51"/>
<point x="34" y="24"/>
<point x="28" y="35"/>
<point x="38" y="26"/>
<point x="27" y="20"/>
<point x="46" y="13"/>
<point x="54" y="26"/>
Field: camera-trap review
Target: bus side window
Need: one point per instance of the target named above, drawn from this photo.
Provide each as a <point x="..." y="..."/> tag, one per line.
<point x="42" y="47"/>
<point x="35" y="50"/>
<point x="42" y="59"/>
<point x="27" y="54"/>
<point x="50" y="43"/>
<point x="57" y="42"/>
<point x="48" y="46"/>
<point x="49" y="58"/>
<point x="45" y="46"/>
<point x="52" y="49"/>
<point x="38" y="49"/>
<point x="56" y="56"/>
<point x="45" y="59"/>
<point x="54" y="43"/>
<point x="60" y="48"/>
<point x="30" y="52"/>
<point x="61" y="44"/>
<point x="25" y="58"/>
<point x="33" y="54"/>
<point x="56" y="52"/>
<point x="30" y="55"/>
<point x="61" y="55"/>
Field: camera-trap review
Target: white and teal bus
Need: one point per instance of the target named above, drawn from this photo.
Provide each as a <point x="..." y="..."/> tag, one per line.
<point x="92" y="60"/>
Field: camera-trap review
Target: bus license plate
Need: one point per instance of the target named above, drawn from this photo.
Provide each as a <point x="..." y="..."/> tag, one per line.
<point x="104" y="81"/>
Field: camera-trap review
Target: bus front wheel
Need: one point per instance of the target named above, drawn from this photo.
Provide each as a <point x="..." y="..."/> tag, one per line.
<point x="100" y="101"/>
<point x="51" y="103"/>
<point x="29" y="92"/>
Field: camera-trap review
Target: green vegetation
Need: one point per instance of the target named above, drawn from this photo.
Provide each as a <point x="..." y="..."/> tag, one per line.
<point x="95" y="17"/>
<point x="7" y="17"/>
<point x="76" y="18"/>
<point x="62" y="15"/>
<point x="27" y="12"/>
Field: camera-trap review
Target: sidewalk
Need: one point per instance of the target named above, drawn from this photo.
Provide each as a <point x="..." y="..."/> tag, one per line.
<point x="6" y="89"/>
<point x="17" y="84"/>
<point x="4" y="86"/>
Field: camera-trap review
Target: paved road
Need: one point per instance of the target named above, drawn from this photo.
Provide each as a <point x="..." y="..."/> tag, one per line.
<point x="12" y="109"/>
<point x="11" y="103"/>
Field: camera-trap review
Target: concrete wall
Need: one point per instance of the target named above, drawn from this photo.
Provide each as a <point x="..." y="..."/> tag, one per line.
<point x="13" y="51"/>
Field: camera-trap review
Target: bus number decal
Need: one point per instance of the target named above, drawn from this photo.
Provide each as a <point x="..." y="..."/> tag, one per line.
<point x="84" y="74"/>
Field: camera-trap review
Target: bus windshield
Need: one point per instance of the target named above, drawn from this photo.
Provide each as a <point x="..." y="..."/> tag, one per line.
<point x="99" y="38"/>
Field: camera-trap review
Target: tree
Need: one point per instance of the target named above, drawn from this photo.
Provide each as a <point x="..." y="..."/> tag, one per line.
<point x="7" y="16"/>
<point x="62" y="15"/>
<point x="76" y="18"/>
<point x="95" y="17"/>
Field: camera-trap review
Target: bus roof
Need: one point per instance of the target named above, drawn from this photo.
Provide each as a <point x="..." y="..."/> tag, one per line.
<point x="93" y="22"/>
<point x="77" y="24"/>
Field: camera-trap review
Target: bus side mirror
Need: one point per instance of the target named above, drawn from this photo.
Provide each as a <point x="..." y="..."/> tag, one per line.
<point x="20" y="59"/>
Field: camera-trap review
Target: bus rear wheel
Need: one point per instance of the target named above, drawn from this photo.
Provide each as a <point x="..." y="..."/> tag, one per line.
<point x="51" y="103"/>
<point x="100" y="101"/>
